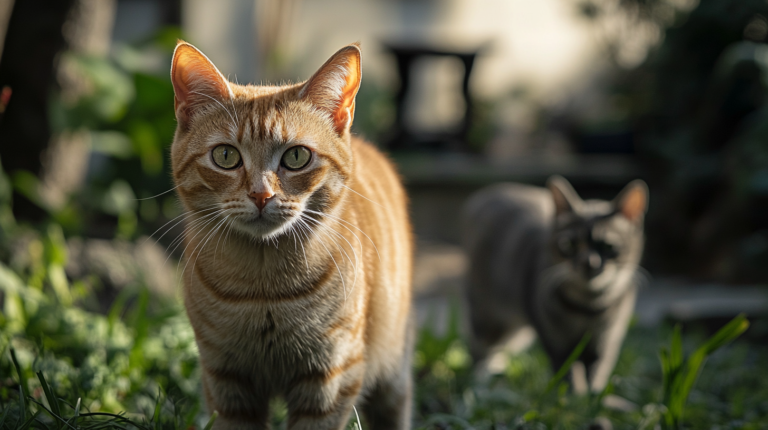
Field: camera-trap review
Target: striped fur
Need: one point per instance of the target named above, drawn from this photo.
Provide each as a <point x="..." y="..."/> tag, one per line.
<point x="309" y="297"/>
<point x="547" y="260"/>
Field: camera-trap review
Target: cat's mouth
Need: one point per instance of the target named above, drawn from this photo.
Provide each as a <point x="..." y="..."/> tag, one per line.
<point x="601" y="280"/>
<point x="264" y="225"/>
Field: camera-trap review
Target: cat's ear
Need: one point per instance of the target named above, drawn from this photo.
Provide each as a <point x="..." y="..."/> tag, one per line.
<point x="565" y="197"/>
<point x="632" y="201"/>
<point x="334" y="86"/>
<point x="196" y="82"/>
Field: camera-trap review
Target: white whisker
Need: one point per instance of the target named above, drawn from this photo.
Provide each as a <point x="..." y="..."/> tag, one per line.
<point x="350" y="189"/>
<point x="204" y="242"/>
<point x="184" y="214"/>
<point x="200" y="226"/>
<point x="232" y="102"/>
<point x="219" y="103"/>
<point x="300" y="232"/>
<point x="229" y="224"/>
<point x="320" y="241"/>
<point x="164" y="192"/>
<point x="180" y="238"/>
<point x="341" y="248"/>
<point x="349" y="223"/>
<point x="229" y="231"/>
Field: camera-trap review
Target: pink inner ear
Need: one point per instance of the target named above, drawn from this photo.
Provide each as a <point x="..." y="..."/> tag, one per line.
<point x="346" y="110"/>
<point x="633" y="205"/>
<point x="196" y="81"/>
<point x="334" y="86"/>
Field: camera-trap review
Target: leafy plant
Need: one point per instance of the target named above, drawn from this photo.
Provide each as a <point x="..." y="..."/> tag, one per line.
<point x="679" y="374"/>
<point x="52" y="412"/>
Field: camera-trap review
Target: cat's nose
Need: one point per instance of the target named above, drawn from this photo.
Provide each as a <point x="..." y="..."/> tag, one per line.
<point x="594" y="264"/>
<point x="260" y="199"/>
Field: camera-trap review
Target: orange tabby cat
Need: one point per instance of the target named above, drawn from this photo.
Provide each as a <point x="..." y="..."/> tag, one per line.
<point x="298" y="249"/>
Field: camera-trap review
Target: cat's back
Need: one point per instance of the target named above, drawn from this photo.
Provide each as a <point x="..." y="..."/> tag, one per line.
<point x="506" y="229"/>
<point x="504" y="209"/>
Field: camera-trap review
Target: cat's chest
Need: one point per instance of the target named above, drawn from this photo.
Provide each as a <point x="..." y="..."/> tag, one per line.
<point x="239" y="313"/>
<point x="268" y="336"/>
<point x="266" y="319"/>
<point x="278" y="328"/>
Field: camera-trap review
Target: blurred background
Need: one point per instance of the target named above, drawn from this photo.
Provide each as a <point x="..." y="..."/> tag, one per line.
<point x="460" y="94"/>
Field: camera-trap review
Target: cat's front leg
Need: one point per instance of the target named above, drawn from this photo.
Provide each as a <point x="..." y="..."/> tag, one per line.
<point x="324" y="403"/>
<point x="235" y="400"/>
<point x="609" y="343"/>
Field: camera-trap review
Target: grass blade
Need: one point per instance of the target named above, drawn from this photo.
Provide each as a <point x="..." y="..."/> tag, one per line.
<point x="22" y="408"/>
<point x="51" y="398"/>
<point x="214" y="415"/>
<point x="680" y="375"/>
<point x="57" y="418"/>
<point x="729" y="332"/>
<point x="76" y="415"/>
<point x="575" y="354"/>
<point x="22" y="377"/>
<point x="29" y="422"/>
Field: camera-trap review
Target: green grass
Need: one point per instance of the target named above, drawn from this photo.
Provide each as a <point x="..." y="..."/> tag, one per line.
<point x="64" y="365"/>
<point x="731" y="392"/>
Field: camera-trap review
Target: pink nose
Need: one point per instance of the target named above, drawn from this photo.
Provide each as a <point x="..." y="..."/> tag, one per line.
<point x="260" y="199"/>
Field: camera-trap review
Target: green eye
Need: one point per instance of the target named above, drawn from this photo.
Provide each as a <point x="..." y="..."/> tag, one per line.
<point x="297" y="157"/>
<point x="226" y="156"/>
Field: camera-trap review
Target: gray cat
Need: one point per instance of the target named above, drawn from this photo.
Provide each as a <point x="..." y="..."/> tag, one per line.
<point x="563" y="265"/>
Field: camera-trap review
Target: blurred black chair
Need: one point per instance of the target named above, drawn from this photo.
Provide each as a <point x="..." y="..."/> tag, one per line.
<point x="401" y="138"/>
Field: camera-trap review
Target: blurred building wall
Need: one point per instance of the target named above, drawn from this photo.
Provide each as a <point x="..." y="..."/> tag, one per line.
<point x="542" y="44"/>
<point x="225" y="31"/>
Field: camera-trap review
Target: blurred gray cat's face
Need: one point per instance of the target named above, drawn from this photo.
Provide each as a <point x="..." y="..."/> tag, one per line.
<point x="596" y="239"/>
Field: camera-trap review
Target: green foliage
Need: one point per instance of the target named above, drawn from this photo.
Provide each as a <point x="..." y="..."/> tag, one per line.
<point x="124" y="107"/>
<point x="52" y="412"/>
<point x="446" y="352"/>
<point x="76" y="367"/>
<point x="698" y="108"/>
<point x="528" y="396"/>
<point x="679" y="375"/>
<point x="140" y="357"/>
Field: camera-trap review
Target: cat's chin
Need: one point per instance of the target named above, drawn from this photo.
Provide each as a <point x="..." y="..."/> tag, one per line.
<point x="263" y="229"/>
<point x="603" y="281"/>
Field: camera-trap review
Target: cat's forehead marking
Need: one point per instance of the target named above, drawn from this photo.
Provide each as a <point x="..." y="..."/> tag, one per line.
<point x="601" y="230"/>
<point x="588" y="220"/>
<point x="242" y="127"/>
<point x="265" y="111"/>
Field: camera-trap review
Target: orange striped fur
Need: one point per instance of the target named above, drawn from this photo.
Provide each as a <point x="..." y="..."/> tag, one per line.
<point x="309" y="297"/>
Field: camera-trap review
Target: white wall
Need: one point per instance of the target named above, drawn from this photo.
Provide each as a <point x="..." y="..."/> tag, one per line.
<point x="541" y="43"/>
<point x="224" y="31"/>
